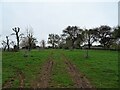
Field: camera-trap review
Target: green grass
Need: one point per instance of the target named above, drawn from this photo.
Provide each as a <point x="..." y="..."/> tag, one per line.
<point x="101" y="68"/>
<point x="30" y="66"/>
<point x="60" y="76"/>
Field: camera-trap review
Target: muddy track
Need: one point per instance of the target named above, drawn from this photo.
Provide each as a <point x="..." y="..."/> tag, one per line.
<point x="8" y="83"/>
<point x="43" y="80"/>
<point x="19" y="75"/>
<point x="21" y="79"/>
<point x="80" y="81"/>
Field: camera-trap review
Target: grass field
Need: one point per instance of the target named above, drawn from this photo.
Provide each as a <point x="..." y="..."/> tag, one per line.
<point x="101" y="68"/>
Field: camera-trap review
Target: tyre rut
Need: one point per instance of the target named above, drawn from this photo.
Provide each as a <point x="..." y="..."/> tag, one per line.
<point x="80" y="81"/>
<point x="42" y="81"/>
<point x="19" y="75"/>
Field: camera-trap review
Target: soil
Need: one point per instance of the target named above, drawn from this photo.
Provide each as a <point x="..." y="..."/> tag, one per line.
<point x="21" y="79"/>
<point x="79" y="79"/>
<point x="19" y="76"/>
<point x="8" y="83"/>
<point x="43" y="79"/>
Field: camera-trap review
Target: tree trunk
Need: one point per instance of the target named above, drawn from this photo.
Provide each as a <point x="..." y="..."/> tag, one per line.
<point x="17" y="41"/>
<point x="4" y="48"/>
<point x="8" y="47"/>
<point x="72" y="44"/>
<point x="104" y="45"/>
<point x="89" y="45"/>
<point x="53" y="45"/>
<point x="29" y="46"/>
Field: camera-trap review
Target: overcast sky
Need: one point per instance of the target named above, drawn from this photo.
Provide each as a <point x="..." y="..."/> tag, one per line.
<point x="53" y="17"/>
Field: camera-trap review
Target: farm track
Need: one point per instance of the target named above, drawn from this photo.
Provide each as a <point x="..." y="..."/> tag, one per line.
<point x="20" y="76"/>
<point x="42" y="81"/>
<point x="44" y="77"/>
<point x="8" y="83"/>
<point x="21" y="79"/>
<point x="78" y="78"/>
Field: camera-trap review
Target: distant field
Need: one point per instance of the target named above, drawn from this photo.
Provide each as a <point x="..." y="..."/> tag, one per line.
<point x="101" y="68"/>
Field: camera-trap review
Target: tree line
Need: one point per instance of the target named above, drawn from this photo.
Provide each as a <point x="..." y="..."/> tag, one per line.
<point x="72" y="37"/>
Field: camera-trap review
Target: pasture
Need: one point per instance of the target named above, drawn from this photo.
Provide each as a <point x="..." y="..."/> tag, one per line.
<point x="55" y="68"/>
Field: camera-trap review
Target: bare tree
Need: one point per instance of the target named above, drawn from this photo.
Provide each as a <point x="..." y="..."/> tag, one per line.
<point x="8" y="45"/>
<point x="24" y="42"/>
<point x="4" y="45"/>
<point x="18" y="36"/>
<point x="12" y="43"/>
<point x="29" y="41"/>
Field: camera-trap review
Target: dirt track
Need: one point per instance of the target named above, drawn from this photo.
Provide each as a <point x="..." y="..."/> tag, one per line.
<point x="8" y="83"/>
<point x="21" y="79"/>
<point x="42" y="81"/>
<point x="19" y="75"/>
<point x="80" y="81"/>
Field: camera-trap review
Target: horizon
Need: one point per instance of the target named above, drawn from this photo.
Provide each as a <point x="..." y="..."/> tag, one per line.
<point x="46" y="18"/>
